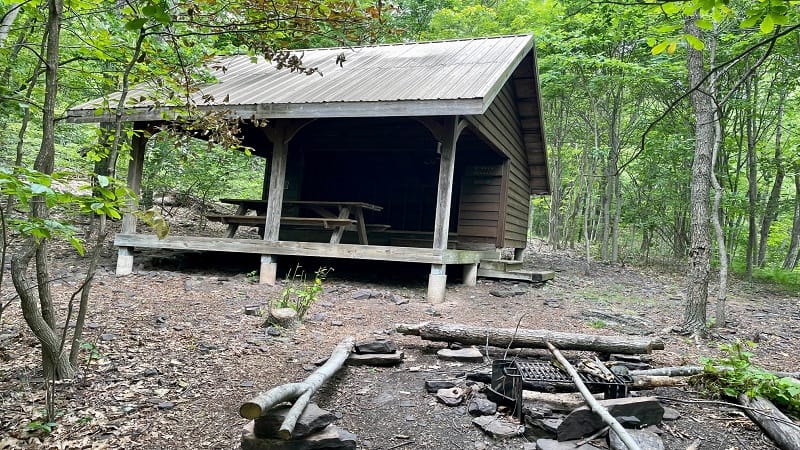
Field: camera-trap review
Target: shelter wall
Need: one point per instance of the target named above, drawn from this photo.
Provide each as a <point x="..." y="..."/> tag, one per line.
<point x="501" y="128"/>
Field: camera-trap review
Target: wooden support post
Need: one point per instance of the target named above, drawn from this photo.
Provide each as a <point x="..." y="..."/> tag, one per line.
<point x="447" y="137"/>
<point x="279" y="137"/>
<point x="470" y="274"/>
<point x="135" y="167"/>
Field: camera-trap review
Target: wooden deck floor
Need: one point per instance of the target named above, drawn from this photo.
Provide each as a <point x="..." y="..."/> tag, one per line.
<point x="313" y="249"/>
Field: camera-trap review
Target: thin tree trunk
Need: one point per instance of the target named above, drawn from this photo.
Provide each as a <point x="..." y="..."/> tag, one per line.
<point x="752" y="182"/>
<point x="790" y="262"/>
<point x="771" y="211"/>
<point x="8" y="21"/>
<point x="694" y="319"/>
<point x="40" y="315"/>
<point x="722" y="294"/>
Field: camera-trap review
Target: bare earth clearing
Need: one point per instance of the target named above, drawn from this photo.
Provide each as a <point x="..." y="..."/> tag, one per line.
<point x="176" y="355"/>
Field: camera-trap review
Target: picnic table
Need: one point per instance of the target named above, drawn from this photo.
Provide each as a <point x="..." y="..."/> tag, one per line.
<point x="337" y="216"/>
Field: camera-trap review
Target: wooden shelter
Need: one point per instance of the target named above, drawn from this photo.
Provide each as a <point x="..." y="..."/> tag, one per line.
<point x="440" y="142"/>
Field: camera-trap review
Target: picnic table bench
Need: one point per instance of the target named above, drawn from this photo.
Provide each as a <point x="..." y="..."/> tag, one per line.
<point x="329" y="215"/>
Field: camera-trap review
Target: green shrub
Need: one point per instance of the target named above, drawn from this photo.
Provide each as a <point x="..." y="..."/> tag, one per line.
<point x="299" y="294"/>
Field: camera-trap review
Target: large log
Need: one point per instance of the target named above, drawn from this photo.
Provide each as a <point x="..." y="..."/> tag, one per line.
<point x="775" y="424"/>
<point x="300" y="393"/>
<point x="526" y="338"/>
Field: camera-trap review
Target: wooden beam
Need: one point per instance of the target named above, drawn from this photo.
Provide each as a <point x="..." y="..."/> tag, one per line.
<point x="135" y="169"/>
<point x="277" y="178"/>
<point x="313" y="249"/>
<point x="405" y="108"/>
<point x="453" y="127"/>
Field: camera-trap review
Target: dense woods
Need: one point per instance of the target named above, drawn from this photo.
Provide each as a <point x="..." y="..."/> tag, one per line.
<point x="672" y="128"/>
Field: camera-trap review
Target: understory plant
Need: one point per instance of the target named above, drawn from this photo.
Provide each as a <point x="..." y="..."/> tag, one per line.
<point x="734" y="374"/>
<point x="299" y="293"/>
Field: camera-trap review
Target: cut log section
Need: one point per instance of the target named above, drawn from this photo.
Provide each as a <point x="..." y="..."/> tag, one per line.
<point x="300" y="393"/>
<point x="526" y="338"/>
<point x="775" y="424"/>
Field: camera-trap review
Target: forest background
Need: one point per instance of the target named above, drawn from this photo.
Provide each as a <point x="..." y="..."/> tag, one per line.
<point x="662" y="119"/>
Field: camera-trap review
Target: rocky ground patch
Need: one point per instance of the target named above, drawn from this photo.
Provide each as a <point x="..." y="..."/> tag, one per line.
<point x="173" y="352"/>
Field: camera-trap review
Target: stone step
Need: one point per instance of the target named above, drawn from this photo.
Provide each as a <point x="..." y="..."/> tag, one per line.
<point x="533" y="276"/>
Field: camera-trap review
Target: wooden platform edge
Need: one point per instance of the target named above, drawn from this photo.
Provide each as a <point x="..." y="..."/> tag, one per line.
<point x="294" y="248"/>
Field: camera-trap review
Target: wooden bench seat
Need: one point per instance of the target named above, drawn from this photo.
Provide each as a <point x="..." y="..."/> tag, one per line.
<point x="257" y="221"/>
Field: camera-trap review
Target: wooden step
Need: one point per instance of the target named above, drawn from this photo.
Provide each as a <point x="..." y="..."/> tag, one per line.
<point x="533" y="276"/>
<point x="503" y="265"/>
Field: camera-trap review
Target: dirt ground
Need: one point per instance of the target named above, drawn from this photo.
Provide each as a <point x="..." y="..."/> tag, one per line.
<point x="176" y="355"/>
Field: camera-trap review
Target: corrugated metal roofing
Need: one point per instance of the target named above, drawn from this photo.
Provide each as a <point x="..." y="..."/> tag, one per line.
<point x="425" y="78"/>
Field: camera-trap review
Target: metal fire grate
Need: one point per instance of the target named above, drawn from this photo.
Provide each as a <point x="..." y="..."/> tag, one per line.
<point x="545" y="373"/>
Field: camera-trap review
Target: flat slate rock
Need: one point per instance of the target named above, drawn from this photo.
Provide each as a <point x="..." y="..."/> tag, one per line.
<point x="469" y="354"/>
<point x="332" y="437"/>
<point x="583" y="422"/>
<point x="376" y="346"/>
<point x="552" y="444"/>
<point x="481" y="407"/>
<point x="312" y="420"/>
<point x="671" y="414"/>
<point x="433" y="386"/>
<point x="375" y="359"/>
<point x="497" y="427"/>
<point x="647" y="440"/>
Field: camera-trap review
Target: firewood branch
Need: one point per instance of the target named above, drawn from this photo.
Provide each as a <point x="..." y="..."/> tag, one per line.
<point x="592" y="402"/>
<point x="299" y="393"/>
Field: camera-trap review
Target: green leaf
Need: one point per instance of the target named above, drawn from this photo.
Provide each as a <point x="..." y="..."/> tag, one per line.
<point x="103" y="180"/>
<point x="671" y="7"/>
<point x="767" y="25"/>
<point x="658" y="49"/>
<point x="779" y="19"/>
<point x="696" y="43"/>
<point x="136" y="24"/>
<point x="704" y="24"/>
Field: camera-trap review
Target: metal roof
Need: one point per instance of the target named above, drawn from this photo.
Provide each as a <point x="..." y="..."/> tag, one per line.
<point x="413" y="79"/>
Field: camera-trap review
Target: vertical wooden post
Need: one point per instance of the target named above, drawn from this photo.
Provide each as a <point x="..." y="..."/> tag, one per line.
<point x="449" y="136"/>
<point x="135" y="167"/>
<point x="277" y="178"/>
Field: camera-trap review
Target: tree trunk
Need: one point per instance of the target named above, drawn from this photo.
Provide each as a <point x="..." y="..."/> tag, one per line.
<point x="694" y="319"/>
<point x="526" y="338"/>
<point x="722" y="294"/>
<point x="54" y="361"/>
<point x="771" y="211"/>
<point x="790" y="262"/>
<point x="752" y="181"/>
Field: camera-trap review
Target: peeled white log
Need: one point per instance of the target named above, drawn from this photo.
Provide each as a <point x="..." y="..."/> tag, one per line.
<point x="300" y="393"/>
<point x="593" y="404"/>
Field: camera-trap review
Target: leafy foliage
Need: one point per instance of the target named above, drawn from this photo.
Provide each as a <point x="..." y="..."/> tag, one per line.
<point x="300" y="294"/>
<point x="25" y="186"/>
<point x="734" y="374"/>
